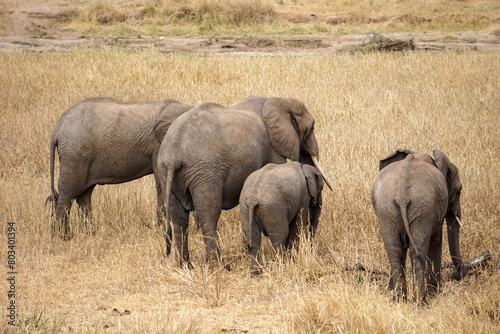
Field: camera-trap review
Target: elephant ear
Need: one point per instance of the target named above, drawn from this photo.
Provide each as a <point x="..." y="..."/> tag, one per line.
<point x="170" y="112"/>
<point x="282" y="117"/>
<point x="453" y="183"/>
<point x="315" y="183"/>
<point x="442" y="162"/>
<point x="395" y="156"/>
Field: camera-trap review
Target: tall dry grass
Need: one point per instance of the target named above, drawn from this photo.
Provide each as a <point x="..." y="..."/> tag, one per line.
<point x="365" y="106"/>
<point x="125" y="18"/>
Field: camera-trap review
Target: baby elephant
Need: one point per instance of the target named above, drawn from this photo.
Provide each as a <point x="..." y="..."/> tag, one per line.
<point x="273" y="200"/>
<point x="412" y="195"/>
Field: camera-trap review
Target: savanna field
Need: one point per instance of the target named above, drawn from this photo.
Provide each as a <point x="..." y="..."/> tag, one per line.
<point x="365" y="106"/>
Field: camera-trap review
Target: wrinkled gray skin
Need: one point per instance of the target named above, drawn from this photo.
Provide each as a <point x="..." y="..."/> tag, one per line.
<point x="209" y="152"/>
<point x="276" y="200"/>
<point x="104" y="141"/>
<point x="412" y="195"/>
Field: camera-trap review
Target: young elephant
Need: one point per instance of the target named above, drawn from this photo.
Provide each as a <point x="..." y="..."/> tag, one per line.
<point x="412" y="195"/>
<point x="272" y="201"/>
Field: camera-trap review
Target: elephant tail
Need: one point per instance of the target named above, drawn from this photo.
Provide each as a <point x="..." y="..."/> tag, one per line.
<point x="403" y="205"/>
<point x="54" y="196"/>
<point x="167" y="191"/>
<point x="251" y="208"/>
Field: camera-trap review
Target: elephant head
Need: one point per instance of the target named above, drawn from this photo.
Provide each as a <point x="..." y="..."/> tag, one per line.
<point x="291" y="131"/>
<point x="315" y="185"/>
<point x="454" y="186"/>
<point x="454" y="212"/>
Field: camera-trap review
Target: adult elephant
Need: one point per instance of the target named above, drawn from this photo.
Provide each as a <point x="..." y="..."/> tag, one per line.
<point x="209" y="151"/>
<point x="104" y="141"/>
<point x="412" y="195"/>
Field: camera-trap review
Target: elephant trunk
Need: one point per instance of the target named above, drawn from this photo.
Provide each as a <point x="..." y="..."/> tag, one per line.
<point x="314" y="213"/>
<point x="318" y="166"/>
<point x="453" y="228"/>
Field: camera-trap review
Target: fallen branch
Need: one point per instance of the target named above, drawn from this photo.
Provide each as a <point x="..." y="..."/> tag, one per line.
<point x="379" y="42"/>
<point x="478" y="261"/>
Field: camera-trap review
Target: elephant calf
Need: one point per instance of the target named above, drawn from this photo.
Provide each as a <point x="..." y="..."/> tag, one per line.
<point x="272" y="201"/>
<point x="412" y="195"/>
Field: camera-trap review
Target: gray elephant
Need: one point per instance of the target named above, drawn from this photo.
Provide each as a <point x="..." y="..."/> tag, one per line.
<point x="209" y="152"/>
<point x="412" y="195"/>
<point x="277" y="200"/>
<point x="104" y="141"/>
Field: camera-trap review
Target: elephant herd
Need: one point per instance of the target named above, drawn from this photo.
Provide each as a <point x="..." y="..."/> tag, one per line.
<point x="262" y="154"/>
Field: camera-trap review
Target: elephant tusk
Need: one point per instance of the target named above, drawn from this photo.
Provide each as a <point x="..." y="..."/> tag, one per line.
<point x="459" y="221"/>
<point x="318" y="166"/>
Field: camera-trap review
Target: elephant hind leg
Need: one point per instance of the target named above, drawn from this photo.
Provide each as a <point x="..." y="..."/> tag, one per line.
<point x="434" y="262"/>
<point x="180" y="222"/>
<point x="418" y="263"/>
<point x="71" y="185"/>
<point x="61" y="226"/>
<point x="396" y="253"/>
<point x="397" y="281"/>
<point x="84" y="203"/>
<point x="208" y="207"/>
<point x="253" y="249"/>
<point x="253" y="237"/>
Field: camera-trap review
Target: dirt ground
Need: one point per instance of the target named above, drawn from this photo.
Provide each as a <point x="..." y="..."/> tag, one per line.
<point x="36" y="26"/>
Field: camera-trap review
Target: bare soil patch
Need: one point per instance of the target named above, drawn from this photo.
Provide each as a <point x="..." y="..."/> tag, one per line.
<point x="37" y="27"/>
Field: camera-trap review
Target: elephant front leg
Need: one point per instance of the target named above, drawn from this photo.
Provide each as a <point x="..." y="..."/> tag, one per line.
<point x="315" y="212"/>
<point x="292" y="241"/>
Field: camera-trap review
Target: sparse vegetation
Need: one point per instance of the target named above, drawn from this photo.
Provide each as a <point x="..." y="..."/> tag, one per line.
<point x="366" y="105"/>
<point x="206" y="17"/>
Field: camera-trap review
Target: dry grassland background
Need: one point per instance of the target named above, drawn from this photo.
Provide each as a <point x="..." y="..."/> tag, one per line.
<point x="223" y="17"/>
<point x="365" y="105"/>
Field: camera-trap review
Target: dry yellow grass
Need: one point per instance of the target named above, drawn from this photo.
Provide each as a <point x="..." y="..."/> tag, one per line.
<point x="125" y="18"/>
<point x="365" y="106"/>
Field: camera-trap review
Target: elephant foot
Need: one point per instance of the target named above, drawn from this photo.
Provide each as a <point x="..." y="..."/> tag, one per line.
<point x="255" y="272"/>
<point x="396" y="298"/>
<point x="67" y="236"/>
<point x="186" y="264"/>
